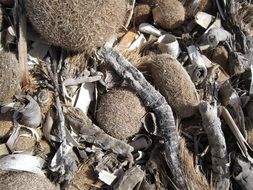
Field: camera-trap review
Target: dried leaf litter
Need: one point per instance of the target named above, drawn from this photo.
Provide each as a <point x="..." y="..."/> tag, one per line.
<point x="129" y="94"/>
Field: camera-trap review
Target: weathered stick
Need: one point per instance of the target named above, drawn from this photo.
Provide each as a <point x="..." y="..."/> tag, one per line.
<point x="212" y="126"/>
<point x="155" y="101"/>
<point x="22" y="43"/>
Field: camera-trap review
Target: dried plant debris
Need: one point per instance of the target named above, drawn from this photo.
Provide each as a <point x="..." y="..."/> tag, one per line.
<point x="169" y="14"/>
<point x="175" y="85"/>
<point x="10" y="76"/>
<point x="120" y="112"/>
<point x="23" y="180"/>
<point x="126" y="95"/>
<point x="77" y="25"/>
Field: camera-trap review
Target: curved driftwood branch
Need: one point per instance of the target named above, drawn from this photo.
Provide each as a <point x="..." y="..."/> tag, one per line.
<point x="155" y="101"/>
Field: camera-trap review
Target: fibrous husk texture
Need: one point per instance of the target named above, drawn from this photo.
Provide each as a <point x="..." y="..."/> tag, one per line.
<point x="141" y="13"/>
<point x="195" y="179"/>
<point x="9" y="76"/>
<point x="77" y="25"/>
<point x="175" y="85"/>
<point x="169" y="14"/>
<point x="24" y="181"/>
<point x="6" y="124"/>
<point x="120" y="112"/>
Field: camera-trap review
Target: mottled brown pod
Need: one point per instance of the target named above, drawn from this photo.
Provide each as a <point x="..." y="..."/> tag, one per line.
<point x="141" y="13"/>
<point x="169" y="14"/>
<point x="23" y="180"/>
<point x="175" y="85"/>
<point x="76" y="24"/>
<point x="120" y="112"/>
<point x="9" y="76"/>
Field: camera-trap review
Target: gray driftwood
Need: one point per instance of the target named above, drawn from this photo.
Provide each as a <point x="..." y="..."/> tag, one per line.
<point x="212" y="126"/>
<point x="153" y="100"/>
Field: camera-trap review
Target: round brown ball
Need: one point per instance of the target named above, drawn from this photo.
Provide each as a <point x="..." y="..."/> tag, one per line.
<point x="9" y="76"/>
<point x="23" y="180"/>
<point x="77" y="25"/>
<point x="141" y="13"/>
<point x="175" y="85"/>
<point x="120" y="112"/>
<point x="169" y="14"/>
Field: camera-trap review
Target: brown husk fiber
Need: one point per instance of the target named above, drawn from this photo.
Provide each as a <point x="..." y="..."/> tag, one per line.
<point x="9" y="76"/>
<point x="195" y="179"/>
<point x="169" y="14"/>
<point x="77" y="25"/>
<point x="141" y="13"/>
<point x="24" y="181"/>
<point x="175" y="85"/>
<point x="6" y="125"/>
<point x="120" y="112"/>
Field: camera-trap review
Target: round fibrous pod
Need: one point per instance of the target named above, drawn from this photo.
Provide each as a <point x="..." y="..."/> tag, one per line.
<point x="9" y="76"/>
<point x="77" y="25"/>
<point x="6" y="125"/>
<point x="175" y="85"/>
<point x="169" y="14"/>
<point x="23" y="180"/>
<point x="141" y="13"/>
<point x="120" y="112"/>
<point x="25" y="141"/>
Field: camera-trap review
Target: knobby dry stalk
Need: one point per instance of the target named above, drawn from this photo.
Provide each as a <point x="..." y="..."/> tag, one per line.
<point x="154" y="101"/>
<point x="212" y="126"/>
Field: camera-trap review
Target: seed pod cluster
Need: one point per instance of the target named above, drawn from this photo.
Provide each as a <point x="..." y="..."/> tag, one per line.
<point x="120" y="112"/>
<point x="175" y="85"/>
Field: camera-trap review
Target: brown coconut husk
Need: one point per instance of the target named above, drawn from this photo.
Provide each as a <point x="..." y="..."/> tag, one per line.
<point x="23" y="181"/>
<point x="195" y="179"/>
<point x="6" y="125"/>
<point x="175" y="85"/>
<point x="77" y="25"/>
<point x="120" y="112"/>
<point x="169" y="14"/>
<point x="141" y="13"/>
<point x="9" y="76"/>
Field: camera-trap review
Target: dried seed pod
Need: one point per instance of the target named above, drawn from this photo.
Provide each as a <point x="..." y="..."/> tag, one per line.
<point x="119" y="113"/>
<point x="25" y="141"/>
<point x="23" y="180"/>
<point x="169" y="14"/>
<point x="6" y="124"/>
<point x="77" y="25"/>
<point x="141" y="13"/>
<point x="175" y="85"/>
<point x="9" y="76"/>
